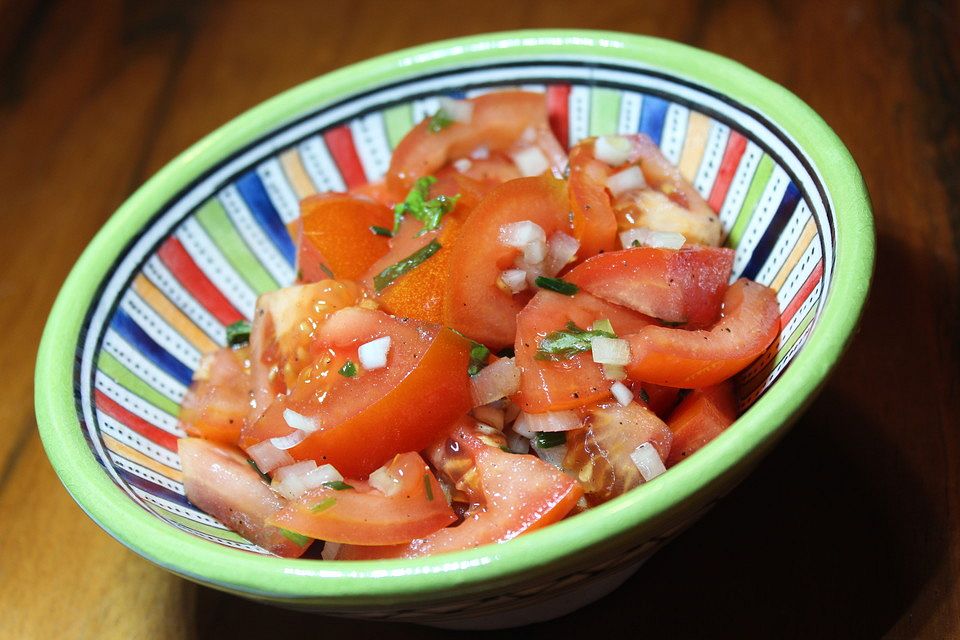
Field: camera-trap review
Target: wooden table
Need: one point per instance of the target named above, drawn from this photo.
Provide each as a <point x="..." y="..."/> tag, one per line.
<point x="851" y="528"/>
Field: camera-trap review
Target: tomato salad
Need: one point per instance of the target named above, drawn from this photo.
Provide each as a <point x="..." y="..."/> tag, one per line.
<point x="493" y="338"/>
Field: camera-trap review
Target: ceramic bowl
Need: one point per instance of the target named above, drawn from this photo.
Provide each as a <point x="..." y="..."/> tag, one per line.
<point x="192" y="249"/>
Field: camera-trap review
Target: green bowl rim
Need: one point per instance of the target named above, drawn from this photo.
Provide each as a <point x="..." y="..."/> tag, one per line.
<point x="399" y="582"/>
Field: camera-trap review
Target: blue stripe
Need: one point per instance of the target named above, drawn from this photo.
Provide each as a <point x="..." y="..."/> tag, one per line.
<point x="652" y="115"/>
<point x="132" y="333"/>
<point x="153" y="488"/>
<point x="791" y="198"/>
<point x="457" y="95"/>
<point x="266" y="215"/>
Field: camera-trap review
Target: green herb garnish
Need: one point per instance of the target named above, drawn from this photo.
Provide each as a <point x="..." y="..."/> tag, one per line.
<point x="439" y="121"/>
<point x="337" y="485"/>
<point x="427" y="486"/>
<point x="326" y="270"/>
<point x="381" y="231"/>
<point x="557" y="284"/>
<point x="478" y="358"/>
<point x="635" y="243"/>
<point x="549" y="439"/>
<point x="265" y="477"/>
<point x="348" y="370"/>
<point x="238" y="333"/>
<point x="603" y="325"/>
<point x="323" y="505"/>
<point x="564" y="344"/>
<point x="386" y="277"/>
<point x="645" y="396"/>
<point x="294" y="537"/>
<point x="429" y="212"/>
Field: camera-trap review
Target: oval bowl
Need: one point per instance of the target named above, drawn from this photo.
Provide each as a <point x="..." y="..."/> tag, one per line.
<point x="190" y="251"/>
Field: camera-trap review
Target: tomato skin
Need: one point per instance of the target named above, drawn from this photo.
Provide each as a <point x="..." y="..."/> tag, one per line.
<point x="702" y="358"/>
<point x="366" y="420"/>
<point x="474" y="304"/>
<point x="701" y="417"/>
<point x="594" y="222"/>
<point x="219" y="480"/>
<point x="661" y="400"/>
<point x="217" y="403"/>
<point x="336" y="233"/>
<point x="365" y="516"/>
<point x="685" y="285"/>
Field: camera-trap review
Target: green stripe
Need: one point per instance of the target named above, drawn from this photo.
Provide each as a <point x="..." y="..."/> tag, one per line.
<point x="760" y="178"/>
<point x="129" y="381"/>
<point x="223" y="534"/>
<point x="214" y="220"/>
<point x="604" y="111"/>
<point x="398" y="121"/>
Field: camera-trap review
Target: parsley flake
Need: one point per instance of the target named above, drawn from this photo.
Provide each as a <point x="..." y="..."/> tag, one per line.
<point x="348" y="370"/>
<point x="550" y="439"/>
<point x="429" y="212"/>
<point x="386" y="277"/>
<point x="478" y="358"/>
<point x="566" y="343"/>
<point x="439" y="121"/>
<point x="557" y="284"/>
<point x="238" y="333"/>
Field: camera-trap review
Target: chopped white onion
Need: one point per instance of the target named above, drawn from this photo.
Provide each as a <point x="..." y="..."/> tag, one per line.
<point x="648" y="461"/>
<point x="520" y="234"/>
<point x="622" y="393"/>
<point x="322" y="474"/>
<point x="550" y="421"/>
<point x="650" y="238"/>
<point x="562" y="249"/>
<point x="630" y="179"/>
<point x="373" y="354"/>
<point x="289" y="481"/>
<point x="498" y="380"/>
<point x="295" y="469"/>
<point x="522" y="427"/>
<point x="614" y="150"/>
<point x="610" y="350"/>
<point x="462" y="164"/>
<point x="517" y="443"/>
<point x="299" y="421"/>
<point x="530" y="161"/>
<point x="535" y="252"/>
<point x="514" y="279"/>
<point x="533" y="271"/>
<point x="289" y="441"/>
<point x="480" y="153"/>
<point x="330" y="550"/>
<point x="459" y="110"/>
<point x="551" y="455"/>
<point x="268" y="457"/>
<point x="489" y="414"/>
<point x="384" y="482"/>
<point x="614" y="372"/>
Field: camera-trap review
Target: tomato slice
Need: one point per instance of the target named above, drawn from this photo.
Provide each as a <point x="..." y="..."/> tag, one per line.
<point x="594" y="222"/>
<point x="474" y="304"/>
<point x="547" y="385"/>
<point x="217" y="403"/>
<point x="219" y="480"/>
<point x="515" y="493"/>
<point x="336" y="234"/>
<point x="685" y="285"/>
<point x="701" y="417"/>
<point x="692" y="359"/>
<point x="365" y="420"/>
<point x="495" y="169"/>
<point x="659" y="399"/>
<point x="416" y="507"/>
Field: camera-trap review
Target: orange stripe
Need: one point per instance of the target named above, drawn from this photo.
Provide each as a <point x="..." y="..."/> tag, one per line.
<point x="133" y="455"/>
<point x="296" y="174"/>
<point x="169" y="312"/>
<point x="698" y="129"/>
<point x="806" y="236"/>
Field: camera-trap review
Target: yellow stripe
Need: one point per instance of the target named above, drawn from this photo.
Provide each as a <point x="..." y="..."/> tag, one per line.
<point x="133" y="455"/>
<point x="174" y="317"/>
<point x="806" y="237"/>
<point x="296" y="174"/>
<point x="698" y="129"/>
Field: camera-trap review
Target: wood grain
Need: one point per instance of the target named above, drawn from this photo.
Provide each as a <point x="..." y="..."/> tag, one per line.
<point x="851" y="528"/>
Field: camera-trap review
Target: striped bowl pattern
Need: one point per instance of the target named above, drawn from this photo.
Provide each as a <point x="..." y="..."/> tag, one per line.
<point x="209" y="253"/>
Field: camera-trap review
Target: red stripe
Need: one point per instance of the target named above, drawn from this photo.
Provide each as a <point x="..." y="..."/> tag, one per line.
<point x="736" y="145"/>
<point x="558" y="106"/>
<point x="136" y="423"/>
<point x="802" y="294"/>
<point x="340" y="144"/>
<point x="186" y="271"/>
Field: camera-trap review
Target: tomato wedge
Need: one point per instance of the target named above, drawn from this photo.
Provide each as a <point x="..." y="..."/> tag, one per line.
<point x="365" y="420"/>
<point x="474" y="304"/>
<point x="415" y="507"/>
<point x="336" y="234"/>
<point x="547" y="385"/>
<point x="692" y="359"/>
<point x="216" y="404"/>
<point x="594" y="222"/>
<point x="685" y="285"/>
<point x="701" y="417"/>
<point x="219" y="480"/>
<point x="516" y="494"/>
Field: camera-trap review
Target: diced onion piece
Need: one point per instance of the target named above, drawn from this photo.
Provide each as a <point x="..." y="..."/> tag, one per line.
<point x="489" y="414"/>
<point x="517" y="443"/>
<point x="288" y="441"/>
<point x="650" y="238"/>
<point x="458" y="110"/>
<point x="614" y="150"/>
<point x="630" y="179"/>
<point x="610" y="350"/>
<point x="384" y="482"/>
<point x="480" y="153"/>
<point x="648" y="461"/>
<point x="535" y="252"/>
<point x="289" y="481"/>
<point x="373" y="354"/>
<point x="330" y="550"/>
<point x="322" y="474"/>
<point x="551" y="421"/>
<point x="530" y="161"/>
<point x="295" y="469"/>
<point x="299" y="421"/>
<point x="520" y="234"/>
<point x="522" y="427"/>
<point x="268" y="457"/>
<point x="462" y="164"/>
<point x="495" y="381"/>
<point x="603" y="324"/>
<point x="514" y="279"/>
<point x="561" y="251"/>
<point x="614" y="372"/>
<point x="622" y="393"/>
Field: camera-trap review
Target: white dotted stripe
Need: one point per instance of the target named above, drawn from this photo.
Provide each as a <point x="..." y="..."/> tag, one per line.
<point x="191" y="513"/>
<point x="712" y="158"/>
<point x="158" y="274"/>
<point x="209" y="259"/>
<point x="799" y="274"/>
<point x="785" y="243"/>
<point x="260" y="245"/>
<point x="141" y="367"/>
<point x="424" y="108"/>
<point x="373" y="147"/>
<point x="319" y="165"/>
<point x="674" y="131"/>
<point x="533" y="87"/>
<point x="122" y="433"/>
<point x="137" y="405"/>
<point x="760" y="220"/>
<point x="808" y="303"/>
<point x="578" y="112"/>
<point x="631" y="105"/>
<point x="739" y="186"/>
<point x="281" y="194"/>
<point x="158" y="329"/>
<point x="145" y="473"/>
<point x="780" y="366"/>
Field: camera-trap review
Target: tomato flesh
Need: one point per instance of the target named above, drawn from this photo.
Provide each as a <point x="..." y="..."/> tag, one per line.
<point x="701" y="417"/>
<point x="594" y="222"/>
<point x="336" y="234"/>
<point x="216" y="404"/>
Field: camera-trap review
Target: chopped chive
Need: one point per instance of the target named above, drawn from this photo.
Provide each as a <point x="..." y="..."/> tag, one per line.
<point x="506" y="352"/>
<point x="348" y="370"/>
<point x="478" y="358"/>
<point x="238" y="333"/>
<point x="265" y="477"/>
<point x="337" y="485"/>
<point x="300" y="274"/>
<point x="645" y="396"/>
<point x="439" y="121"/>
<point x="550" y="439"/>
<point x="566" y="343"/>
<point x="557" y="284"/>
<point x="635" y="243"/>
<point x="326" y="270"/>
<point x="294" y="537"/>
<point x="323" y="505"/>
<point x="381" y="231"/>
<point x="505" y="449"/>
<point x="427" y="486"/>
<point x="386" y="277"/>
<point x="429" y="212"/>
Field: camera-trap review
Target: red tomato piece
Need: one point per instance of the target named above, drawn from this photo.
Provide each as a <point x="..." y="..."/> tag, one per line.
<point x="515" y="493"/>
<point x="376" y="191"/>
<point x="365" y="420"/>
<point x="219" y="480"/>
<point x="700" y="417"/>
<point x="336" y="233"/>
<point x="659" y="399"/>
<point x="685" y="285"/>
<point x="217" y="403"/>
<point x="493" y="170"/>
<point x="594" y="222"/>
<point x="474" y="304"/>
<point x="692" y="359"/>
<point x="366" y="516"/>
